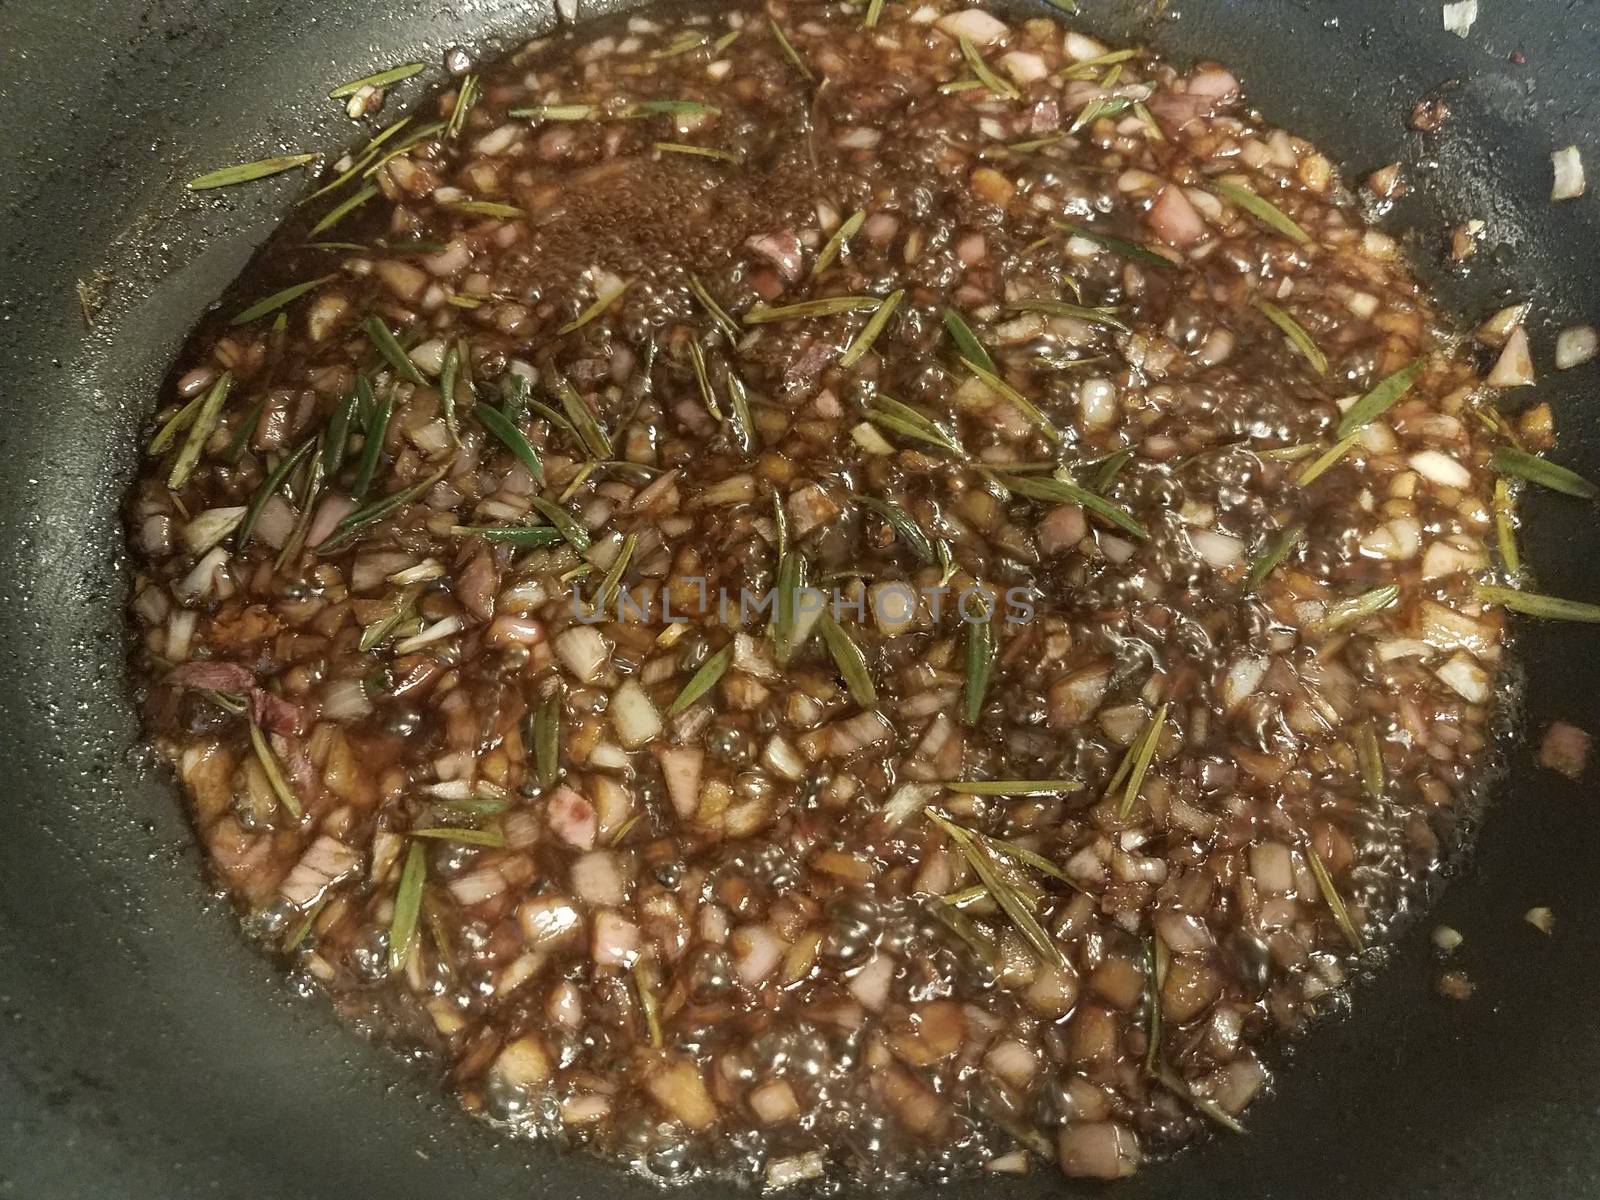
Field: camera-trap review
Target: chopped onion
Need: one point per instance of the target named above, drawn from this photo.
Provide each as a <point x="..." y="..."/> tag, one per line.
<point x="615" y="940"/>
<point x="1575" y="346"/>
<point x="634" y="715"/>
<point x="210" y="527"/>
<point x="1565" y="749"/>
<point x="1514" y="368"/>
<point x="583" y="651"/>
<point x="1466" y="678"/>
<point x="597" y="878"/>
<point x="680" y="767"/>
<point x="1438" y="467"/>
<point x="1458" y="17"/>
<point x="1569" y="181"/>
<point x="975" y="24"/>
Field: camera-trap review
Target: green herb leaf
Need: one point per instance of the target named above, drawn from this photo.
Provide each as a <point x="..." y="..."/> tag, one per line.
<point x="1176" y="1084"/>
<point x="1142" y="752"/>
<point x="832" y="248"/>
<point x="547" y="740"/>
<point x="1532" y="604"/>
<point x="913" y="423"/>
<point x="396" y="611"/>
<point x="1505" y="527"/>
<point x="849" y="659"/>
<point x="985" y="76"/>
<point x="554" y="112"/>
<point x="246" y="172"/>
<point x="1100" y="106"/>
<point x="574" y="534"/>
<point x="1327" y="458"/>
<point x="1004" y="892"/>
<point x="870" y="331"/>
<point x="727" y="156"/>
<point x="828" y="306"/>
<point x="902" y="523"/>
<point x="1104" y="315"/>
<point x="744" y="432"/>
<point x="372" y="447"/>
<point x="466" y="99"/>
<point x="1012" y="787"/>
<point x="512" y="438"/>
<point x="379" y="79"/>
<point x="702" y="377"/>
<point x="980" y="656"/>
<point x="1510" y="461"/>
<point x="342" y="210"/>
<point x="1295" y="332"/>
<point x="1381" y="398"/>
<point x="1129" y="250"/>
<point x="645" y="983"/>
<point x="487" y="208"/>
<point x="874" y="12"/>
<point x="1060" y="491"/>
<point x="337" y="435"/>
<point x="604" y="300"/>
<point x="269" y="488"/>
<point x="784" y="625"/>
<point x="1263" y="210"/>
<point x="1359" y="608"/>
<point x="407" y="908"/>
<point x="346" y="529"/>
<point x="967" y="344"/>
<point x="1268" y="560"/>
<point x="274" y="773"/>
<point x="606" y="593"/>
<point x="278" y="300"/>
<point x="718" y="314"/>
<point x="703" y="680"/>
<point x="1334" y="901"/>
<point x="529" y="536"/>
<point x="200" y="430"/>
<point x="467" y="837"/>
<point x="1369" y="755"/>
<point x="393" y="353"/>
<point x="449" y="372"/>
<point x="1110" y="468"/>
<point x="1027" y="407"/>
<point x="1156" y="960"/>
<point x="588" y="429"/>
<point x="789" y="51"/>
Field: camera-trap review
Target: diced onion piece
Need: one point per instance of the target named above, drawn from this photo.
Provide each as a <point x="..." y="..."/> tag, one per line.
<point x="1273" y="867"/>
<point x="615" y="941"/>
<point x="1565" y="749"/>
<point x="870" y="983"/>
<point x="598" y="879"/>
<point x="1466" y="678"/>
<point x="1576" y="346"/>
<point x="210" y="527"/>
<point x="1458" y="17"/>
<point x="1438" y="467"/>
<point x="634" y="715"/>
<point x="680" y="767"/>
<point x="757" y="951"/>
<point x="1514" y="367"/>
<point x="979" y="27"/>
<point x="1098" y="1150"/>
<point x="678" y="1088"/>
<point x="1569" y="181"/>
<point x="1498" y="327"/>
<point x="583" y="651"/>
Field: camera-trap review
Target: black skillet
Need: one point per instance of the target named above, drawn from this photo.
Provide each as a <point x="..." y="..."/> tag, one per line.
<point x="146" y="1053"/>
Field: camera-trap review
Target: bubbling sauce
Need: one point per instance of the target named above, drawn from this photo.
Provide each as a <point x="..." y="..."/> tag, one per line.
<point x="816" y="595"/>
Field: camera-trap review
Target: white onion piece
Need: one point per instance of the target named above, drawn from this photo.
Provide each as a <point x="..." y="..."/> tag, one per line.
<point x="1273" y="867"/>
<point x="680" y="767"/>
<point x="615" y="941"/>
<point x="547" y="918"/>
<point x="438" y="631"/>
<point x="210" y="527"/>
<point x="1184" y="933"/>
<point x="1514" y="367"/>
<point x="346" y="700"/>
<point x="757" y="951"/>
<point x="201" y="580"/>
<point x="1458" y="17"/>
<point x="477" y="886"/>
<point x="572" y="818"/>
<point x="1174" y="218"/>
<point x="1438" y="467"/>
<point x="975" y="24"/>
<point x="1217" y="549"/>
<point x="1576" y="346"/>
<point x="1243" y="678"/>
<point x="1569" y="181"/>
<point x="907" y="801"/>
<point x="1466" y="678"/>
<point x="583" y="651"/>
<point x="597" y="878"/>
<point x="326" y="861"/>
<point x="870" y="983"/>
<point x="634" y="715"/>
<point x="330" y="512"/>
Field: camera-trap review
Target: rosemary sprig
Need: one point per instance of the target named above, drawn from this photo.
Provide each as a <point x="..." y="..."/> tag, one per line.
<point x="378" y="79"/>
<point x="246" y="172"/>
<point x="279" y="300"/>
<point x="1262" y="209"/>
<point x="874" y="12"/>
<point x="698" y="108"/>
<point x="718" y="314"/>
<point x="603" y="301"/>
<point x="743" y="428"/>
<point x="200" y="430"/>
<point x="1156" y="960"/>
<point x="573" y="533"/>
<point x="1178" y="1086"/>
<point x="241" y="435"/>
<point x="373" y="445"/>
<point x="363" y="160"/>
<point x="1129" y="250"/>
<point x="346" y="529"/>
<point x="985" y="75"/>
<point x="1025" y="406"/>
<point x="869" y="332"/>
<point x="702" y="376"/>
<point x="1061" y="491"/>
<point x="337" y="436"/>
<point x="594" y="438"/>
<point x="487" y="208"/>
<point x="703" y="680"/>
<point x="421" y="134"/>
<point x="1101" y="315"/>
<point x="645" y="983"/>
<point x="828" y="306"/>
<point x="979" y="658"/>
<point x="1319" y="465"/>
<point x="1268" y="560"/>
<point x="606" y="593"/>
<point x="1505" y="528"/>
<point x="387" y="345"/>
<point x="851" y="662"/>
<point x="274" y="773"/>
<point x="547" y="740"/>
<point x="835" y="245"/>
<point x="381" y="630"/>
<point x="466" y="99"/>
<point x="1139" y="757"/>
<point x="1099" y="106"/>
<point x="1532" y="604"/>
<point x="1359" y="608"/>
<point x="1012" y="787"/>
<point x="967" y="344"/>
<point x="910" y="422"/>
<point x="342" y="210"/>
<point x="269" y="488"/>
<point x="727" y="156"/>
<point x="902" y="523"/>
<point x="1369" y="756"/>
<point x="527" y="536"/>
<point x="789" y="51"/>
<point x="554" y="112"/>
<point x="407" y="908"/>
<point x="780" y="525"/>
<point x="1005" y="893"/>
<point x="1334" y="901"/>
<point x="1522" y="465"/>
<point x="1297" y="335"/>
<point x="1380" y="399"/>
<point x="1110" y="467"/>
<point x="449" y="374"/>
<point x="513" y="439"/>
<point x="784" y="628"/>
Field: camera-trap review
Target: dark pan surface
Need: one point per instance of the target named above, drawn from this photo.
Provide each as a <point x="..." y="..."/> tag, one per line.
<point x="146" y="1052"/>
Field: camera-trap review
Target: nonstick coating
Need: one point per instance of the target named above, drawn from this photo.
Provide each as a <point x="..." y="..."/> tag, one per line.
<point x="147" y="1053"/>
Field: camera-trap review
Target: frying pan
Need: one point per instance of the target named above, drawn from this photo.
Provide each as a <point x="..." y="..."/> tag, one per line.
<point x="146" y="1052"/>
